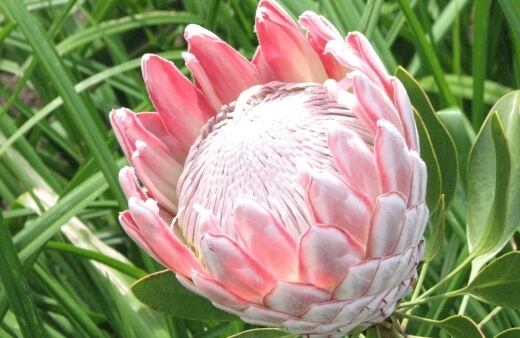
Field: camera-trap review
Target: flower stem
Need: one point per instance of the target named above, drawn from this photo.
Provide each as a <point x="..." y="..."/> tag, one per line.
<point x="448" y="277"/>
<point x="416" y="291"/>
<point x="489" y="317"/>
<point x="424" y="300"/>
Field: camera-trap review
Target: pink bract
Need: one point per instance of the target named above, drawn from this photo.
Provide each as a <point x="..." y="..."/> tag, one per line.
<point x="288" y="190"/>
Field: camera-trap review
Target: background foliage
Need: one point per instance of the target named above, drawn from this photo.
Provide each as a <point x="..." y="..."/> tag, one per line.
<point x="66" y="265"/>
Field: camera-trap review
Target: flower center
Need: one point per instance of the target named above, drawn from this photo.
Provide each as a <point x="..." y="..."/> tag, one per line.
<point x="253" y="147"/>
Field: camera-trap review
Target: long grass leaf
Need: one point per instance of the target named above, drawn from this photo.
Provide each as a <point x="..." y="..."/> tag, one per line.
<point x="30" y="239"/>
<point x="129" y="270"/>
<point x="74" y="309"/>
<point x="479" y="60"/>
<point x="16" y="288"/>
<point x="428" y="51"/>
<point x="78" y="110"/>
<point x="79" y="87"/>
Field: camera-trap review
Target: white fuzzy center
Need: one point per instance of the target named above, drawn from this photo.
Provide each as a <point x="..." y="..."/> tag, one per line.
<point x="253" y="147"/>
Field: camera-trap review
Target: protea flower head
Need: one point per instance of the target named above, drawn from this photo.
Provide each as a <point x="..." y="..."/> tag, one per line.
<point x="288" y="189"/>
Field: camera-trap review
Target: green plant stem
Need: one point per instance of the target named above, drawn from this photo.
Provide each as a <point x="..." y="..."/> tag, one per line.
<point x="463" y="305"/>
<point x="424" y="300"/>
<point x="419" y="319"/>
<point x="489" y="316"/>
<point x="442" y="308"/>
<point x="417" y="289"/>
<point x="454" y="272"/>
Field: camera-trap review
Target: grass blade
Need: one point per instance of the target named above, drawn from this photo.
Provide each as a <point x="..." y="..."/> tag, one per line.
<point x="16" y="288"/>
<point x="77" y="108"/>
<point x="479" y="60"/>
<point x="428" y="52"/>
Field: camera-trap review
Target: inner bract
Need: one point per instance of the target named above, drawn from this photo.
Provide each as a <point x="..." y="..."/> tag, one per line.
<point x="254" y="147"/>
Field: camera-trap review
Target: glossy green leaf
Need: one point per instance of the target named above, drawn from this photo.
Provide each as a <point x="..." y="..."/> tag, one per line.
<point x="460" y="327"/>
<point x="511" y="333"/>
<point x="482" y="175"/>
<point x="490" y="228"/>
<point x="498" y="282"/>
<point x="442" y="143"/>
<point x="262" y="333"/>
<point x="162" y="292"/>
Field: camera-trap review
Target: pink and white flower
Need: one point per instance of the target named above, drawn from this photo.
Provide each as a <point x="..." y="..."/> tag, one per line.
<point x="288" y="190"/>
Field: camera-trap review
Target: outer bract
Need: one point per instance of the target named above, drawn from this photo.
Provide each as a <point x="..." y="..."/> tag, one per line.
<point x="288" y="190"/>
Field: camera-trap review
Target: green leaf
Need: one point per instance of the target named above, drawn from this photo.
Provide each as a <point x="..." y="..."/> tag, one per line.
<point x="78" y="109"/>
<point x="482" y="174"/>
<point x="31" y="239"/>
<point x="463" y="136"/>
<point x="211" y="18"/>
<point x="511" y="333"/>
<point x="436" y="232"/>
<point x="511" y="10"/>
<point x="370" y="18"/>
<point x="64" y="297"/>
<point x="123" y="25"/>
<point x="479" y="59"/>
<point x="443" y="145"/>
<point x="490" y="228"/>
<point x="462" y="86"/>
<point x="163" y="292"/>
<point x="428" y="52"/>
<point x="16" y="288"/>
<point x="498" y="282"/>
<point x="262" y="333"/>
<point x="460" y="327"/>
<point x="433" y="188"/>
<point x="128" y="269"/>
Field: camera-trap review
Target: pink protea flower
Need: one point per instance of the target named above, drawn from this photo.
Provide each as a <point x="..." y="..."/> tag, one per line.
<point x="287" y="190"/>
